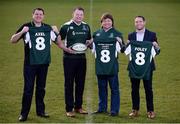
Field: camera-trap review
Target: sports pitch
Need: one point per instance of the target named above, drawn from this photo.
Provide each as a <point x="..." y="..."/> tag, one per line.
<point x="162" y="17"/>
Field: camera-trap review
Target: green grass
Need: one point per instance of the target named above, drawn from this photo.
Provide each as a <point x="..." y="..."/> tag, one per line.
<point x="162" y="17"/>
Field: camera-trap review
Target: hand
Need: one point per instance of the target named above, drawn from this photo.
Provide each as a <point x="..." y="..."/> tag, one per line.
<point x="89" y="42"/>
<point x="119" y="39"/>
<point x="128" y="41"/>
<point x="55" y="29"/>
<point x="69" y="50"/>
<point x="25" y="29"/>
<point x="155" y="44"/>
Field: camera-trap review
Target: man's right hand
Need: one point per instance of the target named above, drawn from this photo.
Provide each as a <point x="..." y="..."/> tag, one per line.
<point x="15" y="37"/>
<point x="25" y="29"/>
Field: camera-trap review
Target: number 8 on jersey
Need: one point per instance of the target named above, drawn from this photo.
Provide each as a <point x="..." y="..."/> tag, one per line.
<point x="40" y="43"/>
<point x="105" y="58"/>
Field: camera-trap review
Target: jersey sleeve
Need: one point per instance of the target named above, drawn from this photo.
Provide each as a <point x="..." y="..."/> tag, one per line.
<point x="53" y="36"/>
<point x="93" y="48"/>
<point x="153" y="52"/>
<point x="20" y="29"/>
<point x="27" y="37"/>
<point x="118" y="47"/>
<point x="128" y="50"/>
<point x="63" y="31"/>
<point x="121" y="41"/>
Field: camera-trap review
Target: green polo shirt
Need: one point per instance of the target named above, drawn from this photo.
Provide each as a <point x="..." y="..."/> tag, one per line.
<point x="73" y="33"/>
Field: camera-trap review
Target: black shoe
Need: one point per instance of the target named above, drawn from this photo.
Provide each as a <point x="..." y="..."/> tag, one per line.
<point x="22" y="118"/>
<point x="43" y="115"/>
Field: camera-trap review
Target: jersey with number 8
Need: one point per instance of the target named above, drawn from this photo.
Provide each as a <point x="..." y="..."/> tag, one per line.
<point x="140" y="56"/>
<point x="106" y="48"/>
<point x="39" y="39"/>
<point x="106" y="58"/>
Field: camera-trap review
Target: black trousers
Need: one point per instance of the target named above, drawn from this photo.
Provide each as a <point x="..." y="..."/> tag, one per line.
<point x="135" y="83"/>
<point x="74" y="71"/>
<point x="32" y="73"/>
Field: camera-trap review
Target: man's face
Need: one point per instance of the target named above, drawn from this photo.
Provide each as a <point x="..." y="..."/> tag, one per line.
<point x="78" y="16"/>
<point x="106" y="23"/>
<point x="38" y="16"/>
<point x="139" y="23"/>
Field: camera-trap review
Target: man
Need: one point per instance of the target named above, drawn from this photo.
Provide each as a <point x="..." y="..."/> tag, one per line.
<point x="75" y="32"/>
<point x="141" y="35"/>
<point x="37" y="40"/>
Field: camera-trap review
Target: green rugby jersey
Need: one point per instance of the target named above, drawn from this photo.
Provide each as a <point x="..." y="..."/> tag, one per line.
<point x="39" y="41"/>
<point x="105" y="47"/>
<point x="73" y="33"/>
<point x="140" y="56"/>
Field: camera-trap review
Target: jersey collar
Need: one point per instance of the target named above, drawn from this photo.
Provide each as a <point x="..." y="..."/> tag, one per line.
<point x="107" y="30"/>
<point x="33" y="24"/>
<point x="76" y="23"/>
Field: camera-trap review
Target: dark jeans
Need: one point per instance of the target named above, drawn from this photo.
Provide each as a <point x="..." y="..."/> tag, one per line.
<point x="135" y="83"/>
<point x="32" y="73"/>
<point x="103" y="92"/>
<point x="74" y="71"/>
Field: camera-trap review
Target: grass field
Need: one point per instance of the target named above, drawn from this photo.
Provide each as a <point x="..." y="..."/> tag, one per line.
<point x="162" y="17"/>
